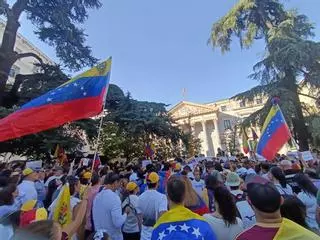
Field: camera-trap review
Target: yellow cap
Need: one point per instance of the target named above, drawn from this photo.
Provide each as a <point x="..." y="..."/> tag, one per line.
<point x="28" y="205"/>
<point x="153" y="177"/>
<point x="87" y="175"/>
<point x="27" y="171"/>
<point x="41" y="214"/>
<point x="131" y="186"/>
<point x="177" y="166"/>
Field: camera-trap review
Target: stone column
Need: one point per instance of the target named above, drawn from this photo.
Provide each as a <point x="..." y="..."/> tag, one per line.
<point x="205" y="140"/>
<point x="217" y="139"/>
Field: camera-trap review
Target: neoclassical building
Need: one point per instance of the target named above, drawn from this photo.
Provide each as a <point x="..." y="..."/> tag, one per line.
<point x="212" y="122"/>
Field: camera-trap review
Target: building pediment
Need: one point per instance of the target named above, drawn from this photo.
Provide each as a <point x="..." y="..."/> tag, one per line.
<point x="188" y="109"/>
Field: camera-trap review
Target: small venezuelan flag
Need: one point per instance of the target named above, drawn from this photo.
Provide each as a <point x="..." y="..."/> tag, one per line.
<point x="181" y="223"/>
<point x="275" y="133"/>
<point x="81" y="97"/>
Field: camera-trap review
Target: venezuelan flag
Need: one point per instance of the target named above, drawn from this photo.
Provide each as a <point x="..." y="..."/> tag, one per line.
<point x="62" y="210"/>
<point x="290" y="230"/>
<point x="181" y="223"/>
<point x="81" y="97"/>
<point x="275" y="133"/>
<point x="245" y="144"/>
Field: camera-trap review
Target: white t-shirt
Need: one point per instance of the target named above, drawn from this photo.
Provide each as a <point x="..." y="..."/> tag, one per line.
<point x="222" y="231"/>
<point x="131" y="223"/>
<point x="310" y="202"/>
<point x="133" y="177"/>
<point x="198" y="186"/>
<point x="150" y="204"/>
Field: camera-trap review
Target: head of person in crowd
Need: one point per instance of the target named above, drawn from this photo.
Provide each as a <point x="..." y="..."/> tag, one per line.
<point x="212" y="182"/>
<point x="41" y="175"/>
<point x="209" y="167"/>
<point x="153" y="180"/>
<point x="197" y="174"/>
<point x="247" y="164"/>
<point x="177" y="167"/>
<point x="277" y="176"/>
<point x="132" y="188"/>
<point x="30" y="174"/>
<point x="225" y="205"/>
<point x="294" y="209"/>
<point x="85" y="178"/>
<point x="217" y="175"/>
<point x="286" y="165"/>
<point x="111" y="181"/>
<point x="264" y="198"/>
<point x="74" y="185"/>
<point x="218" y="167"/>
<point x="58" y="171"/>
<point x="166" y="166"/>
<point x="8" y="194"/>
<point x="265" y="167"/>
<point x="95" y="179"/>
<point x="305" y="184"/>
<point x="176" y="190"/>
<point x="191" y="197"/>
<point x="233" y="181"/>
<point x="187" y="169"/>
<point x="45" y="229"/>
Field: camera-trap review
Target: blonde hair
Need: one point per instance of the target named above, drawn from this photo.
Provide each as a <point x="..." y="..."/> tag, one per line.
<point x="191" y="197"/>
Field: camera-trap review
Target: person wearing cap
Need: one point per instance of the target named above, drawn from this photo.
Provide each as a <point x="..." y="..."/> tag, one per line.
<point x="107" y="212"/>
<point x="132" y="225"/>
<point x="244" y="209"/>
<point x="151" y="205"/>
<point x="27" y="190"/>
<point x="266" y="201"/>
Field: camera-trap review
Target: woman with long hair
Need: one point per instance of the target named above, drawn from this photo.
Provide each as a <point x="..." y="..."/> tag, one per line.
<point x="293" y="209"/>
<point x="308" y="196"/>
<point x="192" y="200"/>
<point x="224" y="221"/>
<point x="278" y="178"/>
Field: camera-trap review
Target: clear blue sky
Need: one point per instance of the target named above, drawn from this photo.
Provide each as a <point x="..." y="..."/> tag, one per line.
<point x="160" y="47"/>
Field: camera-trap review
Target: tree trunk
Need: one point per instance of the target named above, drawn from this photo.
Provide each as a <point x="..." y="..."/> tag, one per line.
<point x="299" y="124"/>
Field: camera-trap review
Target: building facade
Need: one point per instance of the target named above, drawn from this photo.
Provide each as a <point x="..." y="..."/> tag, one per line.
<point x="24" y="65"/>
<point x="213" y="123"/>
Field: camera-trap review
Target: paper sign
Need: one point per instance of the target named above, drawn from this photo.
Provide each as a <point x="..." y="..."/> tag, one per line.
<point x="293" y="155"/>
<point x="34" y="164"/>
<point x="307" y="156"/>
<point x="145" y="163"/>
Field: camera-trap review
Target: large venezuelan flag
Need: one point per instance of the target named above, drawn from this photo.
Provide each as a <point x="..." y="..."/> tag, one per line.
<point x="275" y="133"/>
<point x="81" y="97"/>
<point x="181" y="223"/>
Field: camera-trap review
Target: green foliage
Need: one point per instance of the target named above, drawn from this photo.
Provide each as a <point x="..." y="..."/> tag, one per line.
<point x="191" y="144"/>
<point x="57" y="22"/>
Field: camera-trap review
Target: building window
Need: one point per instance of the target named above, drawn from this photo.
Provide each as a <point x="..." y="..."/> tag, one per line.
<point x="223" y="108"/>
<point x="14" y="71"/>
<point x="227" y="124"/>
<point x="242" y="104"/>
<point x="259" y="101"/>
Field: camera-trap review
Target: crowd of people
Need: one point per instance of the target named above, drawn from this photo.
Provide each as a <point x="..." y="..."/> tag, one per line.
<point x="206" y="199"/>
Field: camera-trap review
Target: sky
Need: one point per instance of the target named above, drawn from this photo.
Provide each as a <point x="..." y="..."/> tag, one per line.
<point x="159" y="47"/>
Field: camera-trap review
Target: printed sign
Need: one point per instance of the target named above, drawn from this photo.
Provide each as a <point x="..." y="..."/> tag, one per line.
<point x="34" y="164"/>
<point x="307" y="156"/>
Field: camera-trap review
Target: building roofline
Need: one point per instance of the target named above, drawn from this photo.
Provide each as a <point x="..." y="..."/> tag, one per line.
<point x="30" y="44"/>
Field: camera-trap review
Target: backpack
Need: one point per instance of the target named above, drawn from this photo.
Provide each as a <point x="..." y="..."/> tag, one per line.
<point x="244" y="210"/>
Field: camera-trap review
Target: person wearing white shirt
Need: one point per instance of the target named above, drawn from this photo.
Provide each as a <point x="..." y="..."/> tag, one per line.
<point x="198" y="184"/>
<point x="308" y="196"/>
<point x="27" y="190"/>
<point x="107" y="212"/>
<point x="151" y="205"/>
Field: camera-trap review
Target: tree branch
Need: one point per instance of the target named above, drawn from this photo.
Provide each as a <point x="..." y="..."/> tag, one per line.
<point x="306" y="95"/>
<point x="29" y="54"/>
<point x="18" y="7"/>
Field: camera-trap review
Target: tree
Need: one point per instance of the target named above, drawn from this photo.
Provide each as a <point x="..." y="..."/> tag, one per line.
<point x="289" y="54"/>
<point x="192" y="145"/>
<point x="56" y="24"/>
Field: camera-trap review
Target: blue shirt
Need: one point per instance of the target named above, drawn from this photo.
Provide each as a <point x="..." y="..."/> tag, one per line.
<point x="27" y="191"/>
<point x="41" y="190"/>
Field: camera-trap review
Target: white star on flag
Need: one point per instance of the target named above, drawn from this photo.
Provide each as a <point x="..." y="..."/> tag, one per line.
<point x="81" y="88"/>
<point x="53" y="93"/>
<point x="171" y="228"/>
<point x="84" y="94"/>
<point x="184" y="227"/>
<point x="161" y="235"/>
<point x="49" y="99"/>
<point x="196" y="232"/>
<point x="75" y="84"/>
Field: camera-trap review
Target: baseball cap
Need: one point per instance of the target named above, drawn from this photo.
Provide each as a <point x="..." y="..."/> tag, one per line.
<point x="177" y="166"/>
<point x="233" y="179"/>
<point x="153" y="177"/>
<point x="131" y="186"/>
<point x="87" y="175"/>
<point x="263" y="195"/>
<point x="27" y="171"/>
